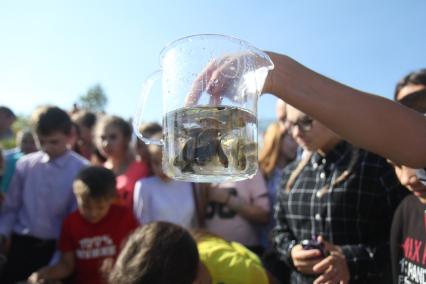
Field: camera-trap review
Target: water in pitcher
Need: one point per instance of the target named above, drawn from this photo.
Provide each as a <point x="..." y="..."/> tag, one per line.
<point x="210" y="144"/>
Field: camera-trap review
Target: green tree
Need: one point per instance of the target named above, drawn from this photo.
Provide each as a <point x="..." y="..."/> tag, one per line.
<point x="94" y="100"/>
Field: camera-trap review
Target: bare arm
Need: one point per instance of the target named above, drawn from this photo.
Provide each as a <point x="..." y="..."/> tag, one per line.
<point x="63" y="269"/>
<point x="252" y="213"/>
<point x="368" y="121"/>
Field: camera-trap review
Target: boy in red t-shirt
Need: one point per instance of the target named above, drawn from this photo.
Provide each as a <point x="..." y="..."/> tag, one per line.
<point x="93" y="233"/>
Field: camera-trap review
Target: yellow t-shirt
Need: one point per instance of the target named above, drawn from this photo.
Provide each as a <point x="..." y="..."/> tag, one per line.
<point x="230" y="262"/>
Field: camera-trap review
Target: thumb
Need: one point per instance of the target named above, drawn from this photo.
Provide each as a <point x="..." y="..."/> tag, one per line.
<point x="327" y="245"/>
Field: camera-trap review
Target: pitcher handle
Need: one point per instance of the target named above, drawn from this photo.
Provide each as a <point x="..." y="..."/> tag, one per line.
<point x="138" y="118"/>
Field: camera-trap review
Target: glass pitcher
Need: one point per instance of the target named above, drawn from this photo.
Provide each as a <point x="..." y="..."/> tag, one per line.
<point x="210" y="85"/>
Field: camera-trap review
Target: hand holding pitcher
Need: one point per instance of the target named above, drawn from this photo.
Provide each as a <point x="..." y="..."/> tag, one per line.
<point x="210" y="87"/>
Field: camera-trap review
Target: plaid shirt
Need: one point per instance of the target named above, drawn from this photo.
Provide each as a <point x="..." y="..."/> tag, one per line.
<point x="355" y="214"/>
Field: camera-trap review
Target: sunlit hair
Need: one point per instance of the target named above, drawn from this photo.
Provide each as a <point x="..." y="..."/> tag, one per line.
<point x="270" y="152"/>
<point x="160" y="253"/>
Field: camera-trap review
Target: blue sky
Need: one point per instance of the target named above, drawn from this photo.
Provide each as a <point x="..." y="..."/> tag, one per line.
<point x="53" y="51"/>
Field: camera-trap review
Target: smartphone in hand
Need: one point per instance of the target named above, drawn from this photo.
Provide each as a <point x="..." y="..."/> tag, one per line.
<point x="313" y="244"/>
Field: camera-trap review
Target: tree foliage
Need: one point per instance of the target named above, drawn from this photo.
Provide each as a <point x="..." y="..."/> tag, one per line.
<point x="21" y="122"/>
<point x="94" y="100"/>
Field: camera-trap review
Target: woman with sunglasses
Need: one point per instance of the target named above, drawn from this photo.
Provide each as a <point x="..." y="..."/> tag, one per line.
<point x="334" y="209"/>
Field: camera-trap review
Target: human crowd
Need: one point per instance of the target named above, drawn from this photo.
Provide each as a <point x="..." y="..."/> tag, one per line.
<point x="339" y="197"/>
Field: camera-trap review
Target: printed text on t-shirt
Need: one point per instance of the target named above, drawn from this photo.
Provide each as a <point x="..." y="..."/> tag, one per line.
<point x="99" y="246"/>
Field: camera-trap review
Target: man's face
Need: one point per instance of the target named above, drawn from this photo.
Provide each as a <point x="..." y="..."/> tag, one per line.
<point x="54" y="144"/>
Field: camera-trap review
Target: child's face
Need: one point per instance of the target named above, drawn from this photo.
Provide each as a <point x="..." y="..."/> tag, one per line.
<point x="94" y="210"/>
<point x="112" y="141"/>
<point x="54" y="144"/>
<point x="408" y="178"/>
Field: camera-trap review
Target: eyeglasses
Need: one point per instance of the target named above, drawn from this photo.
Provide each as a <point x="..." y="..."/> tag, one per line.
<point x="305" y="124"/>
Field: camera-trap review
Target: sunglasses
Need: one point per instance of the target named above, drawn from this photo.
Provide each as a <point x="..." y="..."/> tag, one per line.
<point x="305" y="124"/>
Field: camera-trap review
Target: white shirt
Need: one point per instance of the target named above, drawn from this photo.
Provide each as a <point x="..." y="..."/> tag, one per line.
<point x="172" y="201"/>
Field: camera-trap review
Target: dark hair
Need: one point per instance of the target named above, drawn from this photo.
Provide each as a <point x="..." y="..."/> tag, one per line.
<point x="76" y="128"/>
<point x="51" y="119"/>
<point x="77" y="132"/>
<point x="160" y="253"/>
<point x="85" y="118"/>
<point x="7" y="111"/>
<point x="95" y="182"/>
<point x="415" y="101"/>
<point x="414" y="78"/>
<point x="98" y="156"/>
